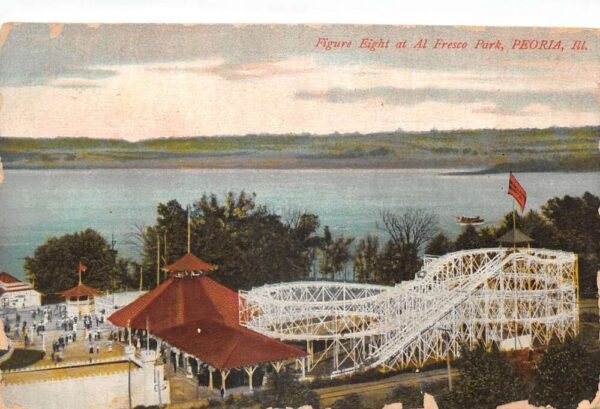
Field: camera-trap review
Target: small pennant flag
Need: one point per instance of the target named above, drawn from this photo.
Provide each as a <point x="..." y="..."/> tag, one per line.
<point x="82" y="267"/>
<point x="516" y="190"/>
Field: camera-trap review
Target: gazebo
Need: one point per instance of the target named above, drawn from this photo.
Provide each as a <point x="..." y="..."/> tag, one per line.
<point x="80" y="300"/>
<point x="199" y="318"/>
<point x="515" y="238"/>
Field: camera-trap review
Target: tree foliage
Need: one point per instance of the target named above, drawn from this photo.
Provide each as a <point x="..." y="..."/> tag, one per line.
<point x="249" y="244"/>
<point x="439" y="245"/>
<point x="568" y="223"/>
<point x="565" y="375"/>
<point x="54" y="265"/>
<point x="397" y="263"/>
<point x="336" y="253"/>
<point x="352" y="400"/>
<point x="468" y="239"/>
<point x="283" y="390"/>
<point x="410" y="397"/>
<point x="412" y="228"/>
<point x="487" y="380"/>
<point x="366" y="259"/>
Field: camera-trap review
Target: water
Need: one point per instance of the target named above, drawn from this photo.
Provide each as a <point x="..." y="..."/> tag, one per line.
<point x="35" y="205"/>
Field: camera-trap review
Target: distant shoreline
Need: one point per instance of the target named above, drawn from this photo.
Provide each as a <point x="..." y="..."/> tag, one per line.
<point x="446" y="171"/>
<point x="484" y="151"/>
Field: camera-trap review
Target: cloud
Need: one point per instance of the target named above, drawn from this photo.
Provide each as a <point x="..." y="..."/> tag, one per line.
<point x="73" y="84"/>
<point x="505" y="102"/>
<point x="293" y="66"/>
<point x="30" y="57"/>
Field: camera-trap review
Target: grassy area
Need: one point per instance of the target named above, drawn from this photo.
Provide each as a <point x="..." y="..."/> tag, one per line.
<point x="489" y="149"/>
<point x="22" y="358"/>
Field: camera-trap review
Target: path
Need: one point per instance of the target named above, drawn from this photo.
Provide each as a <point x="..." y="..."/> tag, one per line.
<point x="381" y="387"/>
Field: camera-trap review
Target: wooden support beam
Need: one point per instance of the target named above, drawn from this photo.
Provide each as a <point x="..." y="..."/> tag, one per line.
<point x="250" y="371"/>
<point x="277" y="366"/>
<point x="224" y="375"/>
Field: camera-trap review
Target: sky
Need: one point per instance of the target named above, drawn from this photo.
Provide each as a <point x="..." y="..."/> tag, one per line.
<point x="151" y="80"/>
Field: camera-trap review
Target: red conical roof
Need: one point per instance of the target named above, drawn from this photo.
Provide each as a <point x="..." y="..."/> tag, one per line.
<point x="176" y="309"/>
<point x="80" y="290"/>
<point x="177" y="301"/>
<point x="227" y="347"/>
<point x="188" y="264"/>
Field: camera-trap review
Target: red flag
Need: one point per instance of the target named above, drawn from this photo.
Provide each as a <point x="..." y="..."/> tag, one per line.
<point x="82" y="267"/>
<point x="516" y="190"/>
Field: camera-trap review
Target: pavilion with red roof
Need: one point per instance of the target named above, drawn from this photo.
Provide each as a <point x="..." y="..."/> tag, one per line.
<point x="199" y="317"/>
<point x="80" y="299"/>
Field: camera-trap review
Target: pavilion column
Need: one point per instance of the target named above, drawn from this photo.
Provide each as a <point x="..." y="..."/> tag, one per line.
<point x="210" y="378"/>
<point x="335" y="354"/>
<point x="303" y="362"/>
<point x="309" y="349"/>
<point x="277" y="366"/>
<point x="250" y="371"/>
<point x="224" y="375"/>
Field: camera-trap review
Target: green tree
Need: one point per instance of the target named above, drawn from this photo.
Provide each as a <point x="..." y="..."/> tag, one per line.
<point x="283" y="390"/>
<point x="250" y="245"/>
<point x="567" y="223"/>
<point x="488" y="237"/>
<point x="352" y="400"/>
<point x="336" y="253"/>
<point x="303" y="227"/>
<point x="468" y="239"/>
<point x="439" y="245"/>
<point x="397" y="263"/>
<point x="565" y="375"/>
<point x="54" y="265"/>
<point x="365" y="259"/>
<point x="410" y="397"/>
<point x="408" y="233"/>
<point x="487" y="380"/>
<point x="577" y="223"/>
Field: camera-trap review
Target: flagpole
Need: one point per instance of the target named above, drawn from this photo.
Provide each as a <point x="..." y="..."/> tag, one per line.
<point x="189" y="226"/>
<point x="157" y="258"/>
<point x="514" y="217"/>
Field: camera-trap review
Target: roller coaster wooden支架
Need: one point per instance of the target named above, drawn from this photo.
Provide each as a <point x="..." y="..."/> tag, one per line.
<point x="484" y="295"/>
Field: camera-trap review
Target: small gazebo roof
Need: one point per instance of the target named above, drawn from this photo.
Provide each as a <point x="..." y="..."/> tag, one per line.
<point x="514" y="236"/>
<point x="80" y="290"/>
<point x="188" y="264"/>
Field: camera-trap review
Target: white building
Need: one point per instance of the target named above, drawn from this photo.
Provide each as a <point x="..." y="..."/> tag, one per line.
<point x="15" y="293"/>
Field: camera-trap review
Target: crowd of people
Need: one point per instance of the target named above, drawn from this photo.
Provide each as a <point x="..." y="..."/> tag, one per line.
<point x="51" y="326"/>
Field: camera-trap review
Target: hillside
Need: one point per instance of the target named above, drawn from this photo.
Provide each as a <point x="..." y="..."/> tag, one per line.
<point x="487" y="150"/>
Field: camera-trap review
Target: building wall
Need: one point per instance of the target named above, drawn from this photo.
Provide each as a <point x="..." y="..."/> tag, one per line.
<point x="112" y="302"/>
<point x="20" y="299"/>
<point x="92" y="392"/>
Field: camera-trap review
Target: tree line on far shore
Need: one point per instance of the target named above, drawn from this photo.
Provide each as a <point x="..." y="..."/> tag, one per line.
<point x="252" y="246"/>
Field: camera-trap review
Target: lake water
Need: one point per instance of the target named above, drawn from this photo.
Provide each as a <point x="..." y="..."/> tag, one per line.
<point x="35" y="204"/>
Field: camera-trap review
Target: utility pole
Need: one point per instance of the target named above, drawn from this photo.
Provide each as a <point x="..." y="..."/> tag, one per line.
<point x="129" y="380"/>
<point x="157" y="259"/>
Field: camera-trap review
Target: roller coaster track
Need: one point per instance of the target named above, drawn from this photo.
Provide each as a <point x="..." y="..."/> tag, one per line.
<point x="485" y="295"/>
